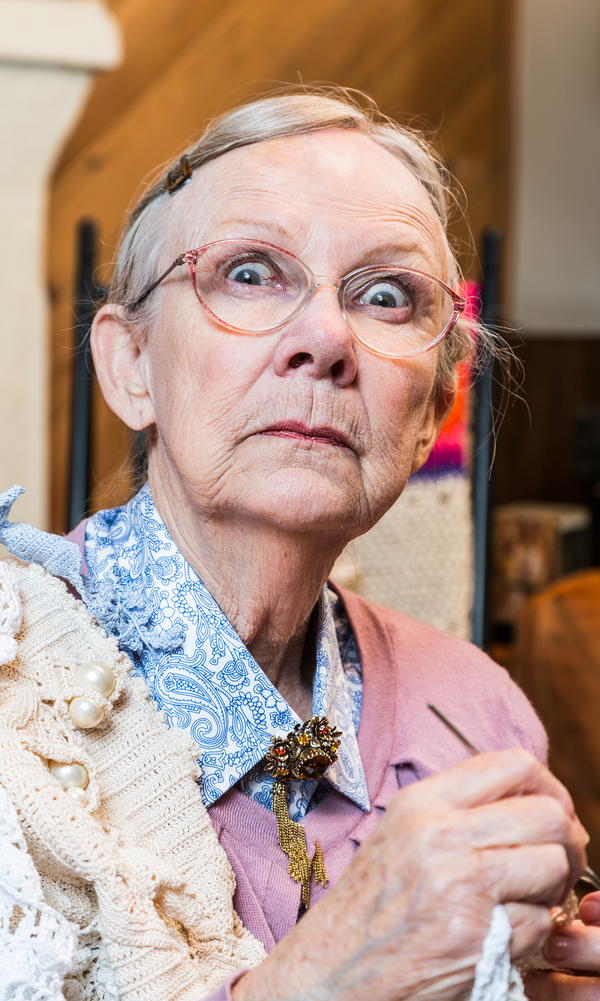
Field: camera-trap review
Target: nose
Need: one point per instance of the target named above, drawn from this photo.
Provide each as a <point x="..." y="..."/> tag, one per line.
<point x="318" y="343"/>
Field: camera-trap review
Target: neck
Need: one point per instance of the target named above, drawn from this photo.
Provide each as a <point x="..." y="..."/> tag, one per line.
<point x="267" y="582"/>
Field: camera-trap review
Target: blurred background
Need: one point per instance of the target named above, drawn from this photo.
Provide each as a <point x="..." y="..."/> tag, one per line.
<point x="94" y="96"/>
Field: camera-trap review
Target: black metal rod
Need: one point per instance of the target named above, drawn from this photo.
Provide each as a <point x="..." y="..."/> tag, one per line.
<point x="482" y="440"/>
<point x="86" y="293"/>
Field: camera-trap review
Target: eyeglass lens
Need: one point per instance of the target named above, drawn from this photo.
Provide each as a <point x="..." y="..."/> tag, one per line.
<point x="254" y="288"/>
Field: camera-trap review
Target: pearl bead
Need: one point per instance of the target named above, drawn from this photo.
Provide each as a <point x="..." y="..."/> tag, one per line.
<point x="95" y="677"/>
<point x="69" y="775"/>
<point x="76" y="792"/>
<point x="85" y="713"/>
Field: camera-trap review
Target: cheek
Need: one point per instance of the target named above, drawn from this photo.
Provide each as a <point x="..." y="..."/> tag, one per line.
<point x="200" y="379"/>
<point x="400" y="403"/>
<point x="182" y="341"/>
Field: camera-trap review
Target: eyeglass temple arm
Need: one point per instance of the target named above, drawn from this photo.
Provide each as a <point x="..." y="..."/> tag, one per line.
<point x="142" y="298"/>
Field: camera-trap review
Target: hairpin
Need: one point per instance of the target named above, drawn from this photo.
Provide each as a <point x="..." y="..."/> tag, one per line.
<point x="179" y="175"/>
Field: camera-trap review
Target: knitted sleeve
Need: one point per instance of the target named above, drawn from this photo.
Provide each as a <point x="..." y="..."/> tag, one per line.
<point x="132" y="861"/>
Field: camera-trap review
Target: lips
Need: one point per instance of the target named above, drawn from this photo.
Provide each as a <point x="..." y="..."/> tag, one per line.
<point x="305" y="432"/>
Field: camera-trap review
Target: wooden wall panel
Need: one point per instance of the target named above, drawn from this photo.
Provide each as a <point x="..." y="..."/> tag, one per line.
<point x="536" y="454"/>
<point x="152" y="38"/>
<point x="439" y="65"/>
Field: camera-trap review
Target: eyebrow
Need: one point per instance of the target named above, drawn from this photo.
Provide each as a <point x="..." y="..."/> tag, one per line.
<point x="271" y="226"/>
<point x="399" y="252"/>
<point x="409" y="252"/>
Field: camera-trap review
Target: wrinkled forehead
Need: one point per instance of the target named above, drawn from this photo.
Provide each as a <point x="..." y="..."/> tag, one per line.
<point x="332" y="190"/>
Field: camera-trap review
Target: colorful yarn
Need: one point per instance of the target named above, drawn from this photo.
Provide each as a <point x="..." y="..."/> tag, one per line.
<point x="450" y="453"/>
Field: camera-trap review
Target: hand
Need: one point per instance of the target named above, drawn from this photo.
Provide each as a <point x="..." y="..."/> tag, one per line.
<point x="409" y="916"/>
<point x="575" y="947"/>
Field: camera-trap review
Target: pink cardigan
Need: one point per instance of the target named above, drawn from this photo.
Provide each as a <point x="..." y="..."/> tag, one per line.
<point x="405" y="665"/>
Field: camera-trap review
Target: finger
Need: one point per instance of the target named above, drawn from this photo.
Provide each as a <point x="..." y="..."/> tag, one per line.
<point x="534" y="874"/>
<point x="576" y="947"/>
<point x="494" y="775"/>
<point x="529" y="819"/>
<point x="523" y="820"/>
<point x="561" y="987"/>
<point x="530" y="925"/>
<point x="589" y="909"/>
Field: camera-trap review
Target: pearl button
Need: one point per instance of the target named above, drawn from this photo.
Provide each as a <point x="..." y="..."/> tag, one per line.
<point x="85" y="713"/>
<point x="71" y="775"/>
<point x="96" y="677"/>
<point x="76" y="792"/>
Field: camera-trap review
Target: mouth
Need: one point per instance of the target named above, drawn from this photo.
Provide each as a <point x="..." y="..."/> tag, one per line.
<point x="304" y="432"/>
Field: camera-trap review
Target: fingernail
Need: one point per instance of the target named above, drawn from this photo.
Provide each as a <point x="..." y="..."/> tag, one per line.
<point x="556" y="948"/>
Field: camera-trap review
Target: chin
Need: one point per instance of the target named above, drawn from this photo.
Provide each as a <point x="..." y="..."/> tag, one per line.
<point x="310" y="502"/>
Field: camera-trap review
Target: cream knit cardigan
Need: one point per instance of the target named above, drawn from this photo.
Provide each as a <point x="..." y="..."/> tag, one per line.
<point x="139" y="872"/>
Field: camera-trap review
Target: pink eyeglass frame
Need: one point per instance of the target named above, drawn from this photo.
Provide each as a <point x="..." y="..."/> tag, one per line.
<point x="190" y="257"/>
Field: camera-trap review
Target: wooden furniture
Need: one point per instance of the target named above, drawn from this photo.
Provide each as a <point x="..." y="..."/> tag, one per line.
<point x="557" y="663"/>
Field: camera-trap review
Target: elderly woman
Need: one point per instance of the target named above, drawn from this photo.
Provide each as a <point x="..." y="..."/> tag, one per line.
<point x="284" y="322"/>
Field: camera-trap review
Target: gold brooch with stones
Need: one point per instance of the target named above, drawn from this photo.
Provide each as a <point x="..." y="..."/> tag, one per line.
<point x="306" y="753"/>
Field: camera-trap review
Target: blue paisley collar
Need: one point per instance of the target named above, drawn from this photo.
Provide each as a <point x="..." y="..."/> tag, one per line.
<point x="197" y="668"/>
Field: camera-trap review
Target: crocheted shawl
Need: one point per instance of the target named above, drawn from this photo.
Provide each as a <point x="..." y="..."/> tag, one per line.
<point x="138" y="871"/>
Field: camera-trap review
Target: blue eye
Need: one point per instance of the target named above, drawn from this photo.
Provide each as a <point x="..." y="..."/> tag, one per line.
<point x="385" y="295"/>
<point x="251" y="273"/>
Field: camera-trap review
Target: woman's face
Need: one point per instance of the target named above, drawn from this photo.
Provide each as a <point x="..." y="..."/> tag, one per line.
<point x="303" y="428"/>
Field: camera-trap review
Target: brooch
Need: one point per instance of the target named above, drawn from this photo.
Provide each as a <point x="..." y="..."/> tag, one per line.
<point x="307" y="751"/>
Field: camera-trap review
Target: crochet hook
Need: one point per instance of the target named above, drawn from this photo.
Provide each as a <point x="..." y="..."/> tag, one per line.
<point x="588" y="875"/>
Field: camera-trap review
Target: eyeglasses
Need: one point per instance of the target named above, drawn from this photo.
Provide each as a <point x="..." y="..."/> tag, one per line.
<point x="251" y="287"/>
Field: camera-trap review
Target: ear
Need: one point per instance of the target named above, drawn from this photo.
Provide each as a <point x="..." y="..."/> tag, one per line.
<point x="438" y="408"/>
<point x="121" y="364"/>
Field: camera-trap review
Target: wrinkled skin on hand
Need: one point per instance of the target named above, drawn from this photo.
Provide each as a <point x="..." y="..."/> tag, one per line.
<point x="576" y="949"/>
<point x="408" y="918"/>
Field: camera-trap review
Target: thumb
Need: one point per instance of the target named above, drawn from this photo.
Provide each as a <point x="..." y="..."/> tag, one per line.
<point x="589" y="909"/>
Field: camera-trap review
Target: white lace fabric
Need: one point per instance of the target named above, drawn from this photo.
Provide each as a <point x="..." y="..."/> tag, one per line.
<point x="496" y="979"/>
<point x="37" y="944"/>
<point x="11" y="614"/>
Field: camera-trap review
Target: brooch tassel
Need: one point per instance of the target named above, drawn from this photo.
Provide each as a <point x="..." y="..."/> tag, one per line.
<point x="304" y="754"/>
